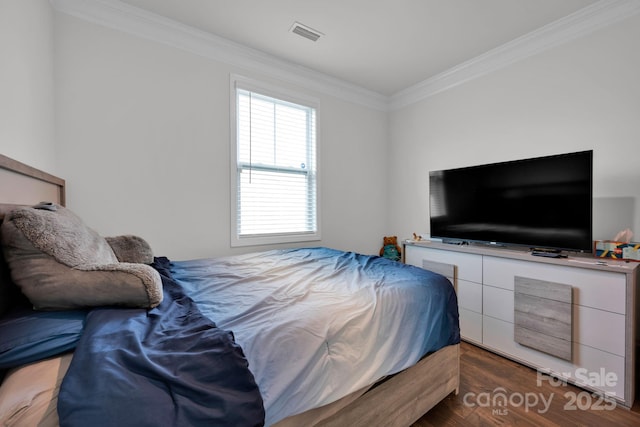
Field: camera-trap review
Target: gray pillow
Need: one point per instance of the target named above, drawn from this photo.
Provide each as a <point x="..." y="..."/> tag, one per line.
<point x="130" y="248"/>
<point x="60" y="263"/>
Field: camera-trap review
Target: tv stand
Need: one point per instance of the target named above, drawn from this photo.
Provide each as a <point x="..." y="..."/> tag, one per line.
<point x="601" y="327"/>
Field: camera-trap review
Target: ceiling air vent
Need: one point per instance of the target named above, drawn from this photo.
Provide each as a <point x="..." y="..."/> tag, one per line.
<point x="304" y="31"/>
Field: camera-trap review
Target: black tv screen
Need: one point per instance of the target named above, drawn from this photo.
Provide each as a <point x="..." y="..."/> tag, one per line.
<point x="543" y="202"/>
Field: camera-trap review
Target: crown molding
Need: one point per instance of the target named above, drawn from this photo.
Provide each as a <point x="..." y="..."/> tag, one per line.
<point x="578" y="24"/>
<point x="123" y="17"/>
<point x="129" y="19"/>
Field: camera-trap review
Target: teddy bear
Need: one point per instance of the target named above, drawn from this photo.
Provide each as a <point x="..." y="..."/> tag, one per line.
<point x="390" y="248"/>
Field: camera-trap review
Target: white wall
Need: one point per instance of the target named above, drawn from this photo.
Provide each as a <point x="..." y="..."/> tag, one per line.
<point x="143" y="133"/>
<point x="140" y="131"/>
<point x="579" y="96"/>
<point x="26" y="82"/>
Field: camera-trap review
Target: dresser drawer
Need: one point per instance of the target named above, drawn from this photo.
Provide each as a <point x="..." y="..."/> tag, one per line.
<point x="603" y="290"/>
<point x="471" y="326"/>
<point x="498" y="303"/>
<point x="467" y="266"/>
<point x="497" y="335"/>
<point x="470" y="295"/>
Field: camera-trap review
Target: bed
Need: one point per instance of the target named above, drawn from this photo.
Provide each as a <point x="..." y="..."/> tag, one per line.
<point x="316" y="336"/>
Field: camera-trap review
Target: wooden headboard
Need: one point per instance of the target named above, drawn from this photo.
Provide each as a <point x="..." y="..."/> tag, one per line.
<point x="21" y="184"/>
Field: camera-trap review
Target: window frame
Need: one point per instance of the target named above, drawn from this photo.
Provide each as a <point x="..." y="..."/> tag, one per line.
<point x="247" y="84"/>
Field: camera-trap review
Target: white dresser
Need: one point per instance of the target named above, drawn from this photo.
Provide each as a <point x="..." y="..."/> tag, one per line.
<point x="602" y="322"/>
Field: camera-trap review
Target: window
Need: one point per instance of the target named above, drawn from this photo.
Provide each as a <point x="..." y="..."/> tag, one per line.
<point x="274" y="175"/>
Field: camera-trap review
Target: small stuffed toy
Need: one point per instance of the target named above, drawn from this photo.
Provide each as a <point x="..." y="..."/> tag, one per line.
<point x="390" y="248"/>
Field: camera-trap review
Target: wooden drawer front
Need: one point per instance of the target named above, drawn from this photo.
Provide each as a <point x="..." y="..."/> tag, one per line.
<point x="470" y="296"/>
<point x="543" y="316"/>
<point x="447" y="270"/>
<point x="498" y="303"/>
<point x="468" y="266"/>
<point x="497" y="335"/>
<point x="596" y="328"/>
<point x="470" y="326"/>
<point x="592" y="288"/>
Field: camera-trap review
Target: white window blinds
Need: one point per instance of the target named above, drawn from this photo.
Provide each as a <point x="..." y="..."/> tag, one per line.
<point x="276" y="177"/>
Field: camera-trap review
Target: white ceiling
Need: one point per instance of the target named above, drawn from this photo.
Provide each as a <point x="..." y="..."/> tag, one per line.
<point x="382" y="45"/>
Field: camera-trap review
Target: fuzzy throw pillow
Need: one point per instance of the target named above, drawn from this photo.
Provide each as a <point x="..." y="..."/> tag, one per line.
<point x="131" y="249"/>
<point x="60" y="263"/>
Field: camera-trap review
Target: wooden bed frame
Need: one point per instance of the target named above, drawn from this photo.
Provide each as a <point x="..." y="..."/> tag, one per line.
<point x="398" y="401"/>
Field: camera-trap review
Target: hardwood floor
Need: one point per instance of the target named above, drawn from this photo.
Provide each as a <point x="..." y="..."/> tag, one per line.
<point x="531" y="399"/>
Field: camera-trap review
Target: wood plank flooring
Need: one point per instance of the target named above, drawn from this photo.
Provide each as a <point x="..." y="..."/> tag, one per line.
<point x="531" y="400"/>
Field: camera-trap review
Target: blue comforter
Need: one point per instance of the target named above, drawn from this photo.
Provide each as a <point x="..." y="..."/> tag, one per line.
<point x="169" y="366"/>
<point x="317" y="324"/>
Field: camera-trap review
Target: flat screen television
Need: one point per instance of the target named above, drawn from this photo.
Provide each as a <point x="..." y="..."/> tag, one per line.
<point x="542" y="202"/>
